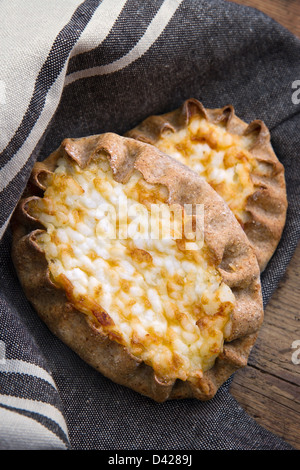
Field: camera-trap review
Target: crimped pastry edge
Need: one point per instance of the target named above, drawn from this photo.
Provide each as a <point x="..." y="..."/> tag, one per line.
<point x="267" y="205"/>
<point x="223" y="235"/>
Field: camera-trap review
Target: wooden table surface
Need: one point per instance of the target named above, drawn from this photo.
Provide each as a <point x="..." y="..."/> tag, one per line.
<point x="269" y="387"/>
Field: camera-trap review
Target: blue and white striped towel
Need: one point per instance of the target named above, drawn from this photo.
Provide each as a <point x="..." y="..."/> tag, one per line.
<point x="76" y="68"/>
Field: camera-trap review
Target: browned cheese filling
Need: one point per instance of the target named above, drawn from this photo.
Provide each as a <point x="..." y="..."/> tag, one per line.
<point x="222" y="158"/>
<point x="166" y="304"/>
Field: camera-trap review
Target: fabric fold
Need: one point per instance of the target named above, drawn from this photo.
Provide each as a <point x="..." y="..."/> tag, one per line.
<point x="93" y="69"/>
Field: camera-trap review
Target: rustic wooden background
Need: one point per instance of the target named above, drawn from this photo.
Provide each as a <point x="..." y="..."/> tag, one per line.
<point x="269" y="387"/>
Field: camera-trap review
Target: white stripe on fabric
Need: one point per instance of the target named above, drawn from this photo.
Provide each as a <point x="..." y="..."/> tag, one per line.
<point x="19" y="432"/>
<point x="16" y="366"/>
<point x="155" y="28"/>
<point x="13" y="166"/>
<point x="35" y="406"/>
<point x="23" y="54"/>
<point x="99" y="26"/>
<point x="4" y="227"/>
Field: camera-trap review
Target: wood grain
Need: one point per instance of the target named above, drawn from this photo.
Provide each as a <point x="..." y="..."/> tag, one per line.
<point x="285" y="12"/>
<point x="269" y="387"/>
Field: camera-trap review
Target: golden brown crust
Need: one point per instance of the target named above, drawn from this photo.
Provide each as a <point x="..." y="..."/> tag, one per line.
<point x="267" y="205"/>
<point x="223" y="235"/>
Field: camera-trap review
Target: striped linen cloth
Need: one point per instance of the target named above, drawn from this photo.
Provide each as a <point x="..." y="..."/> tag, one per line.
<point x="76" y="68"/>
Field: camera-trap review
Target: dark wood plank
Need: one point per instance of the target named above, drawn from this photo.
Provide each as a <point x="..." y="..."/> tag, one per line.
<point x="271" y="401"/>
<point x="269" y="387"/>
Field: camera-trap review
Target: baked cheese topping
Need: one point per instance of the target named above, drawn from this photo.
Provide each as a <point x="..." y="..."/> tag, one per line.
<point x="166" y="304"/>
<point x="223" y="159"/>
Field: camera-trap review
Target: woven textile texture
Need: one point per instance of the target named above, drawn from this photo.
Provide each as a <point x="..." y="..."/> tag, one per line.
<point x="71" y="69"/>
